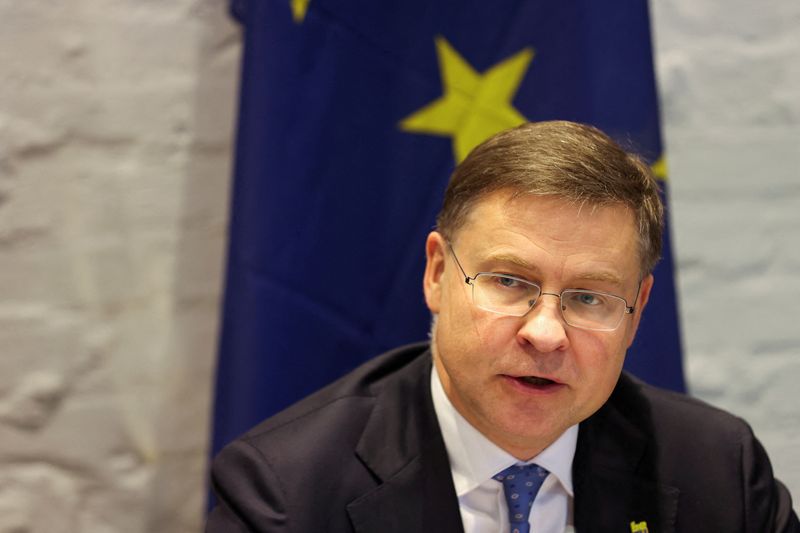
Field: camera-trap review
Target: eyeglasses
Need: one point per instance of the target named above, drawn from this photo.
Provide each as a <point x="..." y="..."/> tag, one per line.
<point x="512" y="296"/>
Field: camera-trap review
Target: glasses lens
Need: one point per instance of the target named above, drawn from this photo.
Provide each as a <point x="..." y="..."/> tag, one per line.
<point x="592" y="310"/>
<point x="503" y="294"/>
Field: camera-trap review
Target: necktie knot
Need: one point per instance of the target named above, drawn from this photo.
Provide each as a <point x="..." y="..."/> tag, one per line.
<point x="521" y="483"/>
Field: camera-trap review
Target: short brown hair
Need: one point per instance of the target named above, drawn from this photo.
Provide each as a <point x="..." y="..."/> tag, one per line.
<point x="573" y="161"/>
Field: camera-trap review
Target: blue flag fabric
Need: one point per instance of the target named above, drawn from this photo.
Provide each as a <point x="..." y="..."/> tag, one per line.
<point x="352" y="117"/>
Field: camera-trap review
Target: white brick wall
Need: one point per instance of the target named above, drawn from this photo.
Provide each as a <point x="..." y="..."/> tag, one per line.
<point x="729" y="77"/>
<point x="115" y="127"/>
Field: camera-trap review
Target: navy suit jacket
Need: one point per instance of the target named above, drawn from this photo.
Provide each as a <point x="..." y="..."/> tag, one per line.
<point x="366" y="455"/>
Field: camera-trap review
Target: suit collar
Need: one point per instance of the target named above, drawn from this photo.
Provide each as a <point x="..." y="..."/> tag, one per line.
<point x="403" y="448"/>
<point x="615" y="480"/>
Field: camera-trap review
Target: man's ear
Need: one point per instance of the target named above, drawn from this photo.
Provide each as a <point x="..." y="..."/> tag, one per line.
<point x="640" y="304"/>
<point x="435" y="254"/>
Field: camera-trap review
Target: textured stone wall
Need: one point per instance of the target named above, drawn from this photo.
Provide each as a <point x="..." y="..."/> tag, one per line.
<point x="115" y="128"/>
<point x="729" y="76"/>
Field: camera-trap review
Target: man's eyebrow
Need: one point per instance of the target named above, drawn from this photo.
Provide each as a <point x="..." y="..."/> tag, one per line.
<point x="606" y="277"/>
<point x="512" y="259"/>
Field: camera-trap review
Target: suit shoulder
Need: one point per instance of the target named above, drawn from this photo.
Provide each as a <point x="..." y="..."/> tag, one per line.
<point x="338" y="411"/>
<point x="711" y="456"/>
<point x="675" y="411"/>
<point x="265" y="478"/>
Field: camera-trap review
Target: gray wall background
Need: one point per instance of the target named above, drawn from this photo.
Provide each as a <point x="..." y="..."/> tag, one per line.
<point x="729" y="78"/>
<point x="116" y="120"/>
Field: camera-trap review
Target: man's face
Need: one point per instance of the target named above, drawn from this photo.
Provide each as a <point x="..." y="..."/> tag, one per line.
<point x="480" y="356"/>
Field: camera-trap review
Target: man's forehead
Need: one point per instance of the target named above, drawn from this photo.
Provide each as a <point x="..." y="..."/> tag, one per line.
<point x="551" y="217"/>
<point x="511" y="203"/>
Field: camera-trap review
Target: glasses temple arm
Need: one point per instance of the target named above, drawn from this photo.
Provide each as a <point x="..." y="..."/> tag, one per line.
<point x="467" y="279"/>
<point x="629" y="309"/>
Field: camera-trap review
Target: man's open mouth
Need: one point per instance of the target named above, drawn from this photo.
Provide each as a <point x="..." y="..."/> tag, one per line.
<point x="536" y="381"/>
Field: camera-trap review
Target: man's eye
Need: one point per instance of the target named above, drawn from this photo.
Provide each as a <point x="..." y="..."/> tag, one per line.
<point x="588" y="299"/>
<point x="507" y="282"/>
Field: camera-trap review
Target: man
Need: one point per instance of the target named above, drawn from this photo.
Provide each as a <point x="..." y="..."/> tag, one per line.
<point x="517" y="416"/>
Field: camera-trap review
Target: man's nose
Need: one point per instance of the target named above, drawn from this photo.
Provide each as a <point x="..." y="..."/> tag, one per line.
<point x="543" y="327"/>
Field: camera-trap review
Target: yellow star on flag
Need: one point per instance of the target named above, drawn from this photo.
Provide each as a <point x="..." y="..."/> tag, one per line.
<point x="659" y="169"/>
<point x="474" y="106"/>
<point x="299" y="8"/>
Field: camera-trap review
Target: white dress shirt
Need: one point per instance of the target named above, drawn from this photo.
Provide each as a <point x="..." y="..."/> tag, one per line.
<point x="474" y="459"/>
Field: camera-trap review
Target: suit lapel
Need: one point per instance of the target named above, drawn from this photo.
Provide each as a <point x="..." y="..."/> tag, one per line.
<point x="616" y="486"/>
<point x="403" y="448"/>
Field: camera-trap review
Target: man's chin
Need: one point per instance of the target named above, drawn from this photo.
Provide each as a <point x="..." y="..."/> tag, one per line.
<point x="525" y="439"/>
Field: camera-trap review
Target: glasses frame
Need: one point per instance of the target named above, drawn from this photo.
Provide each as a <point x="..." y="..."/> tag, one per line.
<point x="629" y="309"/>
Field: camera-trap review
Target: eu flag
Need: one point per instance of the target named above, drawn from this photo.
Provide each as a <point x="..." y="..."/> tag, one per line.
<point x="352" y="117"/>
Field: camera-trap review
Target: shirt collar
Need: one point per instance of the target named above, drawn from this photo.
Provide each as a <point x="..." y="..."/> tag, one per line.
<point x="474" y="459"/>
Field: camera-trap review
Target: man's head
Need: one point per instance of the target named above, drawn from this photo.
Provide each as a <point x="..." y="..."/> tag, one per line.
<point x="574" y="162"/>
<point x="559" y="206"/>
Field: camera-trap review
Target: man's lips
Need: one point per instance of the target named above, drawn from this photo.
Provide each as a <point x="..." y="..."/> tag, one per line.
<point x="536" y="381"/>
<point x="533" y="383"/>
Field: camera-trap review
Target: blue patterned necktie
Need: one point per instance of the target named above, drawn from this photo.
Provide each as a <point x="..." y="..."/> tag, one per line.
<point x="521" y="483"/>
